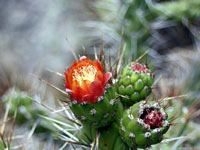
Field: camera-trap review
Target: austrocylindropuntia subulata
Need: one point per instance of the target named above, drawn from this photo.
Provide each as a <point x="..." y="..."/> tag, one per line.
<point x="144" y="124"/>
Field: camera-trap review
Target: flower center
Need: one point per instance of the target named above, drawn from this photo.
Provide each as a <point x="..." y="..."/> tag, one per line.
<point x="153" y="118"/>
<point x="86" y="72"/>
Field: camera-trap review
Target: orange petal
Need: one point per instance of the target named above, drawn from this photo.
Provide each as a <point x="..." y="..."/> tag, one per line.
<point x="98" y="65"/>
<point x="67" y="85"/>
<point x="85" y="86"/>
<point x="79" y="94"/>
<point x="96" y="88"/>
<point x="89" y="98"/>
<point x="82" y="58"/>
<point x="99" y="76"/>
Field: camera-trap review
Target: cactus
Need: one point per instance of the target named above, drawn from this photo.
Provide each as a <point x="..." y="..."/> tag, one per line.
<point x="144" y="125"/>
<point x="28" y="112"/>
<point x="95" y="104"/>
<point x="100" y="113"/>
<point x="21" y="101"/>
<point x="110" y="139"/>
<point x="135" y="83"/>
<point x="92" y="99"/>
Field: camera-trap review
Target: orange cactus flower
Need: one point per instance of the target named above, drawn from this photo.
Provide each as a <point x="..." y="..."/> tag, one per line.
<point x="85" y="80"/>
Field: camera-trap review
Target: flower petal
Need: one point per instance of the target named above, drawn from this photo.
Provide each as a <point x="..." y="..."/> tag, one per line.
<point x="82" y="58"/>
<point x="96" y="88"/>
<point x="85" y="86"/>
<point x="89" y="98"/>
<point x="67" y="85"/>
<point x="99" y="76"/>
<point x="79" y="94"/>
<point x="68" y="90"/>
<point x="107" y="76"/>
<point x="80" y="87"/>
<point x="98" y="65"/>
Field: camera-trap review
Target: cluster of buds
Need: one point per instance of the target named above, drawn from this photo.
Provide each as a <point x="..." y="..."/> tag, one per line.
<point x="135" y="83"/>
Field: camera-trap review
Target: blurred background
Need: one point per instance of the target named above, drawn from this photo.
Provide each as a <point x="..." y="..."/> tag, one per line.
<point x="33" y="39"/>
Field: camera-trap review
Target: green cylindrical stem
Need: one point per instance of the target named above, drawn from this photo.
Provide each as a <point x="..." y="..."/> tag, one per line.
<point x="101" y="113"/>
<point x="143" y="124"/>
